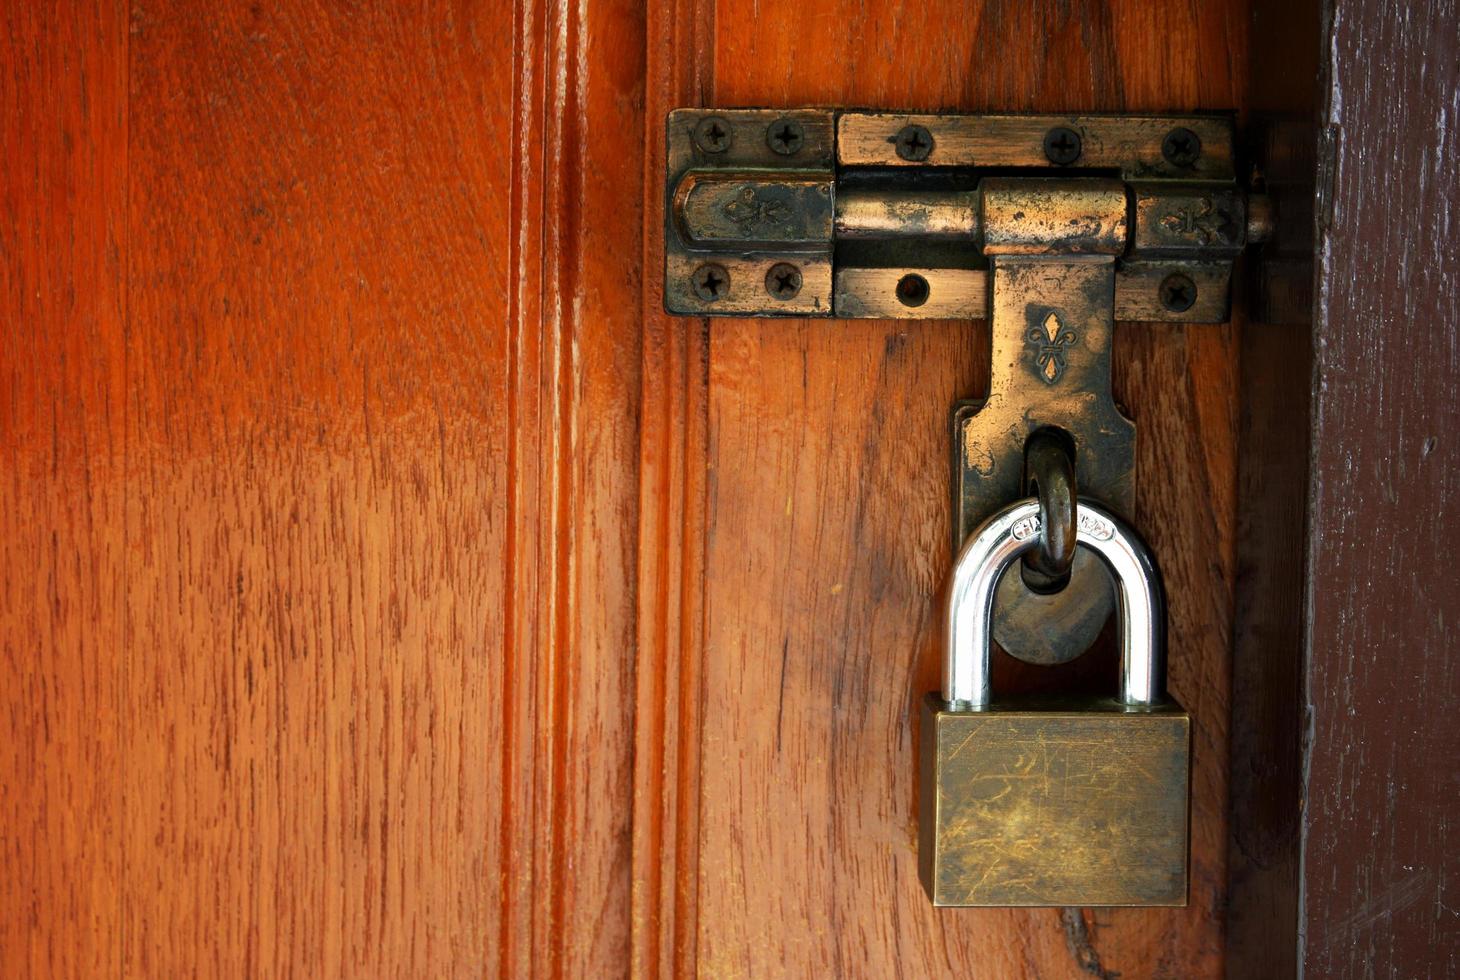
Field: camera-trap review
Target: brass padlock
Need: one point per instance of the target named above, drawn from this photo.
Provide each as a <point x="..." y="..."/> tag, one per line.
<point x="1073" y="801"/>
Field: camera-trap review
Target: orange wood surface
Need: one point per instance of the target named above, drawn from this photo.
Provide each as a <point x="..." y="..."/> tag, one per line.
<point x="319" y="448"/>
<point x="63" y="553"/>
<point x="389" y="588"/>
<point x="825" y="488"/>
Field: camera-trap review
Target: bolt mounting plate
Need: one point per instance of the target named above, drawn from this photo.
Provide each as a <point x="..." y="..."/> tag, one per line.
<point x="1051" y="227"/>
<point x="861" y="201"/>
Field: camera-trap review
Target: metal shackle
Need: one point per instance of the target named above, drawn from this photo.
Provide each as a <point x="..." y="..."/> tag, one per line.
<point x="992" y="549"/>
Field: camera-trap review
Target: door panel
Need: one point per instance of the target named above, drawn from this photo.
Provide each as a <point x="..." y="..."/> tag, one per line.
<point x="826" y="522"/>
<point x="391" y="588"/>
<point x="321" y="369"/>
<point x="319" y="487"/>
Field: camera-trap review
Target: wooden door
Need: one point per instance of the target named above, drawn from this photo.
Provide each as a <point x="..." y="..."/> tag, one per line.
<point x="319" y="427"/>
<point x="786" y="842"/>
<point x="389" y="587"/>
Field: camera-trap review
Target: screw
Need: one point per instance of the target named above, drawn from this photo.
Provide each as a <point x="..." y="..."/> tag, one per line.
<point x="913" y="142"/>
<point x="1178" y="292"/>
<point x="711" y="282"/>
<point x="1181" y="147"/>
<point x="713" y="134"/>
<point x="785" y="136"/>
<point x="783" y="281"/>
<point x="1062" y="145"/>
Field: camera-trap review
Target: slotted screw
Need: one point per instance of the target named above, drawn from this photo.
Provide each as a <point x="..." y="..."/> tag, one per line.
<point x="785" y="136"/>
<point x="783" y="281"/>
<point x="1178" y="292"/>
<point x="711" y="282"/>
<point x="713" y="134"/>
<point x="913" y="142"/>
<point x="1181" y="147"/>
<point x="1062" y="146"/>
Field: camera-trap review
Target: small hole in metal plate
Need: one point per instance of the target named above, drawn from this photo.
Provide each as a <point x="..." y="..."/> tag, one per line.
<point x="912" y="290"/>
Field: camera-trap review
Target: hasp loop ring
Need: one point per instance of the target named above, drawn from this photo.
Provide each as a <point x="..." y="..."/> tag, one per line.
<point x="1049" y="475"/>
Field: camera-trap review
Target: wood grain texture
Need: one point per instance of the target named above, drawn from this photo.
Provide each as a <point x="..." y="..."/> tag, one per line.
<point x="826" y="520"/>
<point x="63" y="260"/>
<point x="672" y="480"/>
<point x="390" y="588"/>
<point x="320" y="429"/>
<point x="1267" y="651"/>
<point x="1380" y="834"/>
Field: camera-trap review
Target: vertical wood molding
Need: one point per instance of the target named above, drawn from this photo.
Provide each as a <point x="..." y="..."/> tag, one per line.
<point x="529" y="830"/>
<point x="672" y="459"/>
<point x="577" y="135"/>
<point x="519" y="801"/>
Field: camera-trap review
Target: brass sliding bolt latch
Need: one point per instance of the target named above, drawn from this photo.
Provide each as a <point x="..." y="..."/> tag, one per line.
<point x="1049" y="227"/>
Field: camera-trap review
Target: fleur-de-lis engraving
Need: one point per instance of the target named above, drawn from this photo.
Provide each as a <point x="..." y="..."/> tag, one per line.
<point x="1207" y="224"/>
<point x="750" y="213"/>
<point x="1047" y="344"/>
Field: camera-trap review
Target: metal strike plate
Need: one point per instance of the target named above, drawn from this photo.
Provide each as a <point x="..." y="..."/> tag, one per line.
<point x="886" y="207"/>
<point x="1050" y="227"/>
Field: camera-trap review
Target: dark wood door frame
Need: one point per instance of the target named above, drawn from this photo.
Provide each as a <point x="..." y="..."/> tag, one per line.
<point x="1380" y="829"/>
<point x="1343" y="842"/>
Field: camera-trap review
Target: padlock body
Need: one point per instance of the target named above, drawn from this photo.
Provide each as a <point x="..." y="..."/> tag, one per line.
<point x="1076" y="802"/>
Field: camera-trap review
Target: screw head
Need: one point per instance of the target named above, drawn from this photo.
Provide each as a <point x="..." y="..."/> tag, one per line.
<point x="913" y="142"/>
<point x="1178" y="292"/>
<point x="1181" y="147"/>
<point x="1062" y="146"/>
<point x="783" y="281"/>
<point x="713" y="134"/>
<point x="785" y="136"/>
<point x="711" y="282"/>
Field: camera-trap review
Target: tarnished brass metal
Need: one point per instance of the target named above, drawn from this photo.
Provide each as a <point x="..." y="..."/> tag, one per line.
<point x="963" y="294"/>
<point x="950" y="293"/>
<point x="748" y="211"/>
<point x="1188" y="220"/>
<point x="1030" y="216"/>
<point x="838" y="196"/>
<point x="1052" y="330"/>
<point x="1130" y="145"/>
<point x="1080" y="802"/>
<point x="1138" y="291"/>
<point x="1261" y="218"/>
<point x="1052" y="245"/>
<point x="863" y="214"/>
<point x="750" y="204"/>
<point x="1067" y="220"/>
<point x="1049" y="477"/>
